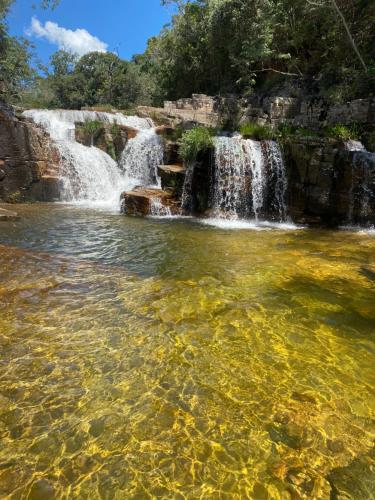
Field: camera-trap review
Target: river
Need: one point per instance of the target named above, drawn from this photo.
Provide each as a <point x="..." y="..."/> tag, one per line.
<point x="165" y="358"/>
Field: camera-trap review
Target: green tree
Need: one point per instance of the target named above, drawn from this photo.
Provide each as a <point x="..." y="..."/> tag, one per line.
<point x="15" y="71"/>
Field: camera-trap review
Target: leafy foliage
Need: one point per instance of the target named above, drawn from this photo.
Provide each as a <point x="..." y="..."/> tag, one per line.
<point x="236" y="46"/>
<point x="14" y="58"/>
<point x="255" y="131"/>
<point x="91" y="128"/>
<point x="217" y="47"/>
<point x="342" y="132"/>
<point x="195" y="141"/>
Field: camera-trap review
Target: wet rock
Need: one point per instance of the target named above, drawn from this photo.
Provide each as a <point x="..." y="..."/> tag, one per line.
<point x="336" y="446"/>
<point x="303" y="397"/>
<point x="42" y="490"/>
<point x="26" y="155"/>
<point x="172" y="178"/>
<point x="327" y="183"/>
<point x="97" y="427"/>
<point x="141" y="201"/>
<point x="356" y="480"/>
<point x="284" y="435"/>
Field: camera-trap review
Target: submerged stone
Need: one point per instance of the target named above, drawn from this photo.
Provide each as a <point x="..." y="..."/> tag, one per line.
<point x="6" y="215"/>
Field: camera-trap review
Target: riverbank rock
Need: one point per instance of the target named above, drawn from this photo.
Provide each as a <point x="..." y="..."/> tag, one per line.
<point x="6" y="215"/>
<point x="143" y="201"/>
<point x="26" y="155"/>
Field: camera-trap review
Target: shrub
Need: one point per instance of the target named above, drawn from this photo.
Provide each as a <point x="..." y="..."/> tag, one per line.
<point x="285" y="130"/>
<point x="255" y="131"/>
<point x="115" y="130"/>
<point x="194" y="141"/>
<point x="342" y="132"/>
<point x="91" y="129"/>
<point x="15" y="197"/>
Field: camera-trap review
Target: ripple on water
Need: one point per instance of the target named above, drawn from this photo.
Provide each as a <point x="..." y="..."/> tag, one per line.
<point x="165" y="359"/>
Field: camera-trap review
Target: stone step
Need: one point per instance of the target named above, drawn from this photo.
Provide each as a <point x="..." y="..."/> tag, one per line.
<point x="139" y="200"/>
<point x="175" y="169"/>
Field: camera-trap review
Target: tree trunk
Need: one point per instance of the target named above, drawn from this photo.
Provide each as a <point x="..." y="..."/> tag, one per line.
<point x="352" y="42"/>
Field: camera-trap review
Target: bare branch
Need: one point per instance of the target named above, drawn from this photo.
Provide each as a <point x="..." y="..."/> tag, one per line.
<point x="275" y="71"/>
<point x="352" y="42"/>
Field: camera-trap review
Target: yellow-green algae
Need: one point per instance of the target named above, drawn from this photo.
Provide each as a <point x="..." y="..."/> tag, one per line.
<point x="248" y="373"/>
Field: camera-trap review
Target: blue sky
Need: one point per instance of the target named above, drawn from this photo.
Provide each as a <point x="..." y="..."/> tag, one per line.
<point x="115" y="25"/>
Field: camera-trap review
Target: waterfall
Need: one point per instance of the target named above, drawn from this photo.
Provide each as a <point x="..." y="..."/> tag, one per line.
<point x="89" y="175"/>
<point x="141" y="158"/>
<point x="187" y="190"/>
<point x="254" y="155"/>
<point x="230" y="178"/>
<point x="249" y="179"/>
<point x="157" y="209"/>
<point x="277" y="179"/>
<point x="361" y="198"/>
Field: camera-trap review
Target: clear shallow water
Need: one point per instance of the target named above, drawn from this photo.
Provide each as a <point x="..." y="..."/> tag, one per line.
<point x="166" y="358"/>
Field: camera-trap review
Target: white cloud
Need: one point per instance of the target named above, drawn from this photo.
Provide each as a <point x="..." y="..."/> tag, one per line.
<point x="79" y="42"/>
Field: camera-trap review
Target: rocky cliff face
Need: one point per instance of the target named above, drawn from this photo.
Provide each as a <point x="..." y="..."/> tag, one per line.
<point x="328" y="184"/>
<point x="29" y="163"/>
<point x="310" y="113"/>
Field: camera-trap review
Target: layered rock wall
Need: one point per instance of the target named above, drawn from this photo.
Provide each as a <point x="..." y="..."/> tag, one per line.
<point x="29" y="163"/>
<point x="328" y="184"/>
<point x="310" y="113"/>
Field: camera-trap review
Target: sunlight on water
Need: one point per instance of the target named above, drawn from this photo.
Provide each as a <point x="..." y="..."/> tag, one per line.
<point x="166" y="359"/>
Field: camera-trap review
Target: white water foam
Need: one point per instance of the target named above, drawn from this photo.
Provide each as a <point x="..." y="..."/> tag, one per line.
<point x="249" y="180"/>
<point x="89" y="175"/>
<point x="254" y="225"/>
<point x="158" y="209"/>
<point x="140" y="160"/>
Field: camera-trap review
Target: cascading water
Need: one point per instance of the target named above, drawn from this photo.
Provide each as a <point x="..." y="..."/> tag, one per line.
<point x="254" y="156"/>
<point x="277" y="180"/>
<point x="141" y="158"/>
<point x="157" y="209"/>
<point x="231" y="173"/>
<point x="89" y="175"/>
<point x="187" y="190"/>
<point x="361" y="198"/>
<point x="249" y="179"/>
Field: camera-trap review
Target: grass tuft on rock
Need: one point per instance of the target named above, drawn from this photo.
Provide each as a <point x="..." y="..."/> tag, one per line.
<point x="195" y="141"/>
<point x="257" y="132"/>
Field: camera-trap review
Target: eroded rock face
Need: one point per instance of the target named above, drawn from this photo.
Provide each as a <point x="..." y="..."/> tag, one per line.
<point x="27" y="158"/>
<point x="110" y="138"/>
<point x="329" y="185"/>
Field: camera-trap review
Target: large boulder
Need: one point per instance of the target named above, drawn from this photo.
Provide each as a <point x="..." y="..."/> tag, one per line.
<point x="144" y="201"/>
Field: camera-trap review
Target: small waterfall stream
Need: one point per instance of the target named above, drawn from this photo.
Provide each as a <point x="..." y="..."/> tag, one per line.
<point x="249" y="177"/>
<point x="187" y="190"/>
<point x="89" y="175"/>
<point x="141" y="158"/>
<point x="361" y="198"/>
